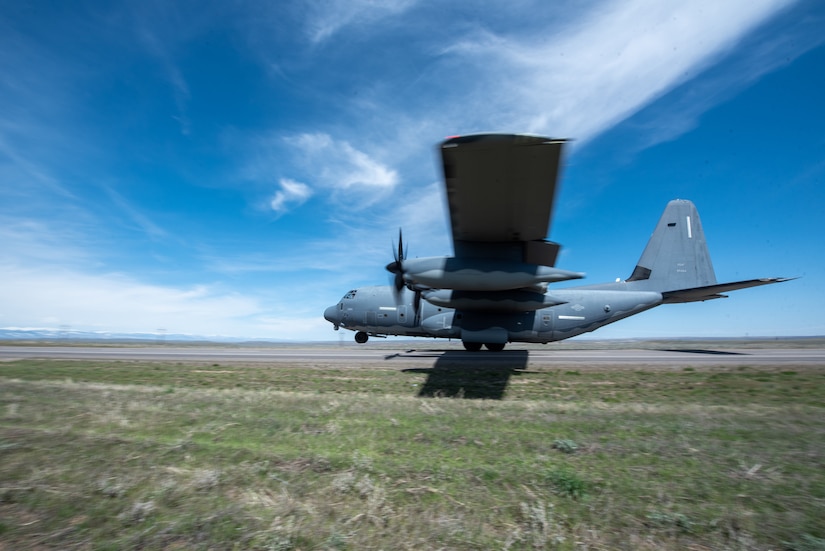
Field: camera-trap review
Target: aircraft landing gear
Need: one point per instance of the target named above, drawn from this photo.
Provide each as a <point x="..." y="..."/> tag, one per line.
<point x="361" y="337"/>
<point x="476" y="346"/>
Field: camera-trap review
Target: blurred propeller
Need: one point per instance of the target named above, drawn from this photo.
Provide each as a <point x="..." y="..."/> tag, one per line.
<point x="396" y="267"/>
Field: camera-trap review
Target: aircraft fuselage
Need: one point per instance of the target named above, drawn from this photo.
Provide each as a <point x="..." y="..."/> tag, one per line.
<point x="376" y="311"/>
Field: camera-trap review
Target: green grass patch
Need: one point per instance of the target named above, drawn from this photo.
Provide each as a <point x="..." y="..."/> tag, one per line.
<point x="113" y="455"/>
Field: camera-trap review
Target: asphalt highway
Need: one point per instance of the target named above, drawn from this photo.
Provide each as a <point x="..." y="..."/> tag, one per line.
<point x="405" y="355"/>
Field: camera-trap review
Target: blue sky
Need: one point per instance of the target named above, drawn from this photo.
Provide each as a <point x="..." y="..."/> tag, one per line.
<point x="232" y="168"/>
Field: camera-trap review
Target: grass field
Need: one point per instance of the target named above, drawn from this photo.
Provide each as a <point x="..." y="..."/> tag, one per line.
<point x="127" y="455"/>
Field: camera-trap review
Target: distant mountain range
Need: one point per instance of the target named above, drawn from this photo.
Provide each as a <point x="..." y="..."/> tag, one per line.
<point x="58" y="335"/>
<point x="14" y="333"/>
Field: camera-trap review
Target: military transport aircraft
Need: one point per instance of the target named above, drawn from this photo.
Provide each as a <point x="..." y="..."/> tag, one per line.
<point x="494" y="290"/>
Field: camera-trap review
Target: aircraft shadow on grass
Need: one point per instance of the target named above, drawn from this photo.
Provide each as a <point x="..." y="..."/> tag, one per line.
<point x="470" y="376"/>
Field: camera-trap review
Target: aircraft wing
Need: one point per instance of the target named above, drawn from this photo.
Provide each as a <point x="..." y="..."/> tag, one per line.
<point x="500" y="190"/>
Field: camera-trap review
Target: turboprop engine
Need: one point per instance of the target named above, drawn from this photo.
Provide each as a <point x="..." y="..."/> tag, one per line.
<point x="522" y="300"/>
<point x="446" y="272"/>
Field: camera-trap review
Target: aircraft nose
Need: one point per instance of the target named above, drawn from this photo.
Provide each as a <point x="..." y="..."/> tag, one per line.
<point x="331" y="315"/>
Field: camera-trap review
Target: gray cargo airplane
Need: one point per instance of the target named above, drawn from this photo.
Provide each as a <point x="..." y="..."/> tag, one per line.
<point x="494" y="290"/>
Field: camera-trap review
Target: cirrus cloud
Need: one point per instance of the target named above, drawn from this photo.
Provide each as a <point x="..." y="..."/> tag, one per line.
<point x="292" y="193"/>
<point x="340" y="165"/>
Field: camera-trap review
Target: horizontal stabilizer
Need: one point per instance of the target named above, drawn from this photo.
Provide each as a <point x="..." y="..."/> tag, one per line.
<point x="710" y="292"/>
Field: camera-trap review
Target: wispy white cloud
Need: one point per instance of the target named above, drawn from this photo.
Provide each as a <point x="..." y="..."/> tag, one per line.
<point x="34" y="242"/>
<point x="312" y="164"/>
<point x="179" y="86"/>
<point x="338" y="165"/>
<point x="569" y="73"/>
<point x="771" y="53"/>
<point x="326" y="17"/>
<point x="356" y="249"/>
<point x="135" y="215"/>
<point x="28" y="172"/>
<point x="291" y="194"/>
<point x="51" y="278"/>
<point x="48" y="298"/>
<point x="57" y="296"/>
<point x="422" y="213"/>
<point x="602" y="66"/>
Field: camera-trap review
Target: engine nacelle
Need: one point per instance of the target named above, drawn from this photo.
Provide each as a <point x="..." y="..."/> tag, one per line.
<point x="490" y="301"/>
<point x="446" y="272"/>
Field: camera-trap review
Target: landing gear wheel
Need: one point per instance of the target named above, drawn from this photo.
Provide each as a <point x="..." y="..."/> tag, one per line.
<point x="472" y="346"/>
<point x="361" y="337"/>
<point x="494" y="346"/>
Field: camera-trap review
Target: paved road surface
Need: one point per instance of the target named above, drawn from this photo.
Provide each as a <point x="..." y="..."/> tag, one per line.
<point x="357" y="356"/>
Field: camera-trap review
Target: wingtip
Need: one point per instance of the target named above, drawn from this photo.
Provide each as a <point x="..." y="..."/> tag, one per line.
<point x="779" y="279"/>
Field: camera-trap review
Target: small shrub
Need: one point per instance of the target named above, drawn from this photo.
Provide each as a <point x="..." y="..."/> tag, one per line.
<point x="565" y="446"/>
<point x="343" y="482"/>
<point x="567" y="483"/>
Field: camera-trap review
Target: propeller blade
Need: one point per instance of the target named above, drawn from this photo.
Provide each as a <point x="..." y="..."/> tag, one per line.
<point x="397" y="267"/>
<point x="398" y="282"/>
<point x="400" y="246"/>
<point x="399" y="255"/>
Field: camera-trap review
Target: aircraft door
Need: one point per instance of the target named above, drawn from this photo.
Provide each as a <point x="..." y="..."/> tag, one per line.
<point x="544" y="323"/>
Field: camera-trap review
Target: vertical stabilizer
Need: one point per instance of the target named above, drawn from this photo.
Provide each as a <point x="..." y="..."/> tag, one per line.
<point x="676" y="257"/>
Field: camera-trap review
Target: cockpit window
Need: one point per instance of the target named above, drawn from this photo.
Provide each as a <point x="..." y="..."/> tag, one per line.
<point x="349" y="295"/>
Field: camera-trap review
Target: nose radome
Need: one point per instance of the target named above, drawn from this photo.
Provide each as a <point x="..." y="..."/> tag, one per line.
<point x="331" y="315"/>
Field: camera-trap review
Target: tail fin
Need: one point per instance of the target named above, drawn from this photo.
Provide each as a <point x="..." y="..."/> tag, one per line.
<point x="676" y="257"/>
<point x="676" y="261"/>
